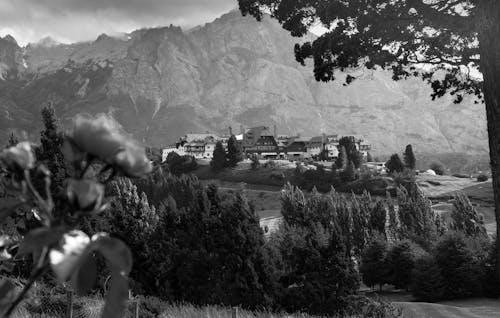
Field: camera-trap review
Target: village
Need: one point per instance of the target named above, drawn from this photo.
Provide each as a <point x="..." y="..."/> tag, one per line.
<point x="265" y="144"/>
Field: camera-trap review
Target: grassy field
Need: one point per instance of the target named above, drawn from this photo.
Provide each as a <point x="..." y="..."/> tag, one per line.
<point x="465" y="308"/>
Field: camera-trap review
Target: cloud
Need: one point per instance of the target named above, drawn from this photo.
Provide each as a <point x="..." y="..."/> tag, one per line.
<point x="83" y="20"/>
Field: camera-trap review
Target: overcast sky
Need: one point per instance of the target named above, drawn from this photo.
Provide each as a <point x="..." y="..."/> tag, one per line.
<point x="82" y="20"/>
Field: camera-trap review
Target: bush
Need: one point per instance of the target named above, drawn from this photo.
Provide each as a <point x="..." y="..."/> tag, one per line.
<point x="255" y="162"/>
<point x="482" y="178"/>
<point x="437" y="167"/>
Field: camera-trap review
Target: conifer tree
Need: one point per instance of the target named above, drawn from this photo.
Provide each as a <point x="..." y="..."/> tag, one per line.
<point x="218" y="161"/>
<point x="234" y="152"/>
<point x="49" y="152"/>
<point x="409" y="158"/>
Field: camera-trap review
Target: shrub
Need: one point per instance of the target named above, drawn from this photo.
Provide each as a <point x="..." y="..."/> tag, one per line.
<point x="482" y="178"/>
<point x="255" y="162"/>
<point x="437" y="167"/>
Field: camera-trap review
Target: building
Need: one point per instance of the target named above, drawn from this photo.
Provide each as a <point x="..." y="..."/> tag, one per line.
<point x="260" y="141"/>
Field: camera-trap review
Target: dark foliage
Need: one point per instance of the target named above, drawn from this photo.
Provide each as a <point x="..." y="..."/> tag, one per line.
<point x="178" y="165"/>
<point x="218" y="161"/>
<point x="409" y="158"/>
<point x="234" y="152"/>
<point x="437" y="167"/>
<point x="353" y="155"/>
<point x="482" y="178"/>
<point x="427" y="281"/>
<point x="373" y="266"/>
<point x="400" y="262"/>
<point x="394" y="164"/>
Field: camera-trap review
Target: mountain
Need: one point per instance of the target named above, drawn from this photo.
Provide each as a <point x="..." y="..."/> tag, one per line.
<point x="161" y="83"/>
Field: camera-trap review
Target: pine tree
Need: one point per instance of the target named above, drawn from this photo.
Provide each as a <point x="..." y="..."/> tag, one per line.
<point x="409" y="158"/>
<point x="369" y="157"/>
<point x="218" y="161"/>
<point x="234" y="152"/>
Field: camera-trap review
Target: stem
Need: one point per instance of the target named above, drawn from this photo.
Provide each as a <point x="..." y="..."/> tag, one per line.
<point x="41" y="202"/>
<point x="37" y="273"/>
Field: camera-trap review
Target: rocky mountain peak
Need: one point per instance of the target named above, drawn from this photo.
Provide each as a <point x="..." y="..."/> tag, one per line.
<point x="161" y="83"/>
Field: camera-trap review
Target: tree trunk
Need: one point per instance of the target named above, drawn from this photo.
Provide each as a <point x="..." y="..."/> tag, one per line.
<point x="489" y="32"/>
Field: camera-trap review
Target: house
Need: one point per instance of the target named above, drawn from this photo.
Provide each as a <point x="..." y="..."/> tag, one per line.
<point x="178" y="148"/>
<point x="260" y="141"/>
<point x="297" y="148"/>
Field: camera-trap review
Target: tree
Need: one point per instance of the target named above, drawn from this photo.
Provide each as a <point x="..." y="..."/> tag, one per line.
<point x="234" y="152"/>
<point x="349" y="173"/>
<point x="400" y="262"/>
<point x="218" y="161"/>
<point x="369" y="157"/>
<point x="349" y="143"/>
<point x="409" y="158"/>
<point x="437" y="167"/>
<point x="394" y="164"/>
<point x="373" y="267"/>
<point x="50" y="150"/>
<point x="178" y="165"/>
<point x="449" y="36"/>
<point x="465" y="218"/>
<point x="341" y="161"/>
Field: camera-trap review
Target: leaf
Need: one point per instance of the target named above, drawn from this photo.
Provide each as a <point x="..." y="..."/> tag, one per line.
<point x="119" y="259"/>
<point x="8" y="206"/>
<point x="84" y="278"/>
<point x="116" y="253"/>
<point x="38" y="238"/>
<point x="116" y="297"/>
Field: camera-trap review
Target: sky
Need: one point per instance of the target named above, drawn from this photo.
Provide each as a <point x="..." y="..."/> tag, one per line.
<point x="70" y="21"/>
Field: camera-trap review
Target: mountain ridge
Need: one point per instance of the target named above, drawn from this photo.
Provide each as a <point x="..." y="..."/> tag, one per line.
<point x="161" y="83"/>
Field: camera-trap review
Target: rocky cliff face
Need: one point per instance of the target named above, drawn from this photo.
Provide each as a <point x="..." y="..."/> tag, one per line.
<point x="162" y="83"/>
